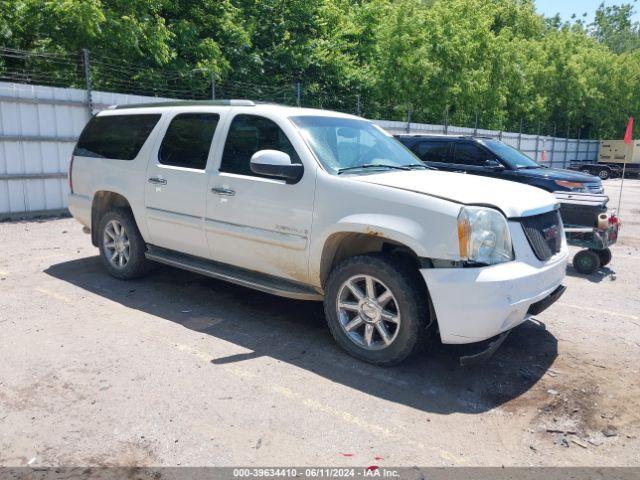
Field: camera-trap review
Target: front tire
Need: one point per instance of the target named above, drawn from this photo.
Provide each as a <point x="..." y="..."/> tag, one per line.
<point x="604" y="174"/>
<point x="121" y="246"/>
<point x="376" y="308"/>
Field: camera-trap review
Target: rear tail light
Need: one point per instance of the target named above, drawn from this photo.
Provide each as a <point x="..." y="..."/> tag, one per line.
<point x="70" y="175"/>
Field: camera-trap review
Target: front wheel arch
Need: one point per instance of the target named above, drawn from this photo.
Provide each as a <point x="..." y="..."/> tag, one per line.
<point x="348" y="243"/>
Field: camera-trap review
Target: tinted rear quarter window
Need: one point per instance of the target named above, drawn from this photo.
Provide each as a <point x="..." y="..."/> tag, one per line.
<point x="188" y="140"/>
<point x="117" y="137"/>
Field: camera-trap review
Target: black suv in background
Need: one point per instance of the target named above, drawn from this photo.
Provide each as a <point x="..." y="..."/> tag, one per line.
<point x="492" y="158"/>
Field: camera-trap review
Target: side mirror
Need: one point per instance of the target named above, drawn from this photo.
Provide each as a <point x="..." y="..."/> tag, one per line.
<point x="493" y="164"/>
<point x="274" y="163"/>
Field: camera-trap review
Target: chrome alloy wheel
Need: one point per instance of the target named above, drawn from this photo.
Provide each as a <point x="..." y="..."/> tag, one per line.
<point x="368" y="312"/>
<point x="116" y="244"/>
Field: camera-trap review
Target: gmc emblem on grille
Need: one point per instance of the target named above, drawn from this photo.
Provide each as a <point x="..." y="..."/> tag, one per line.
<point x="550" y="233"/>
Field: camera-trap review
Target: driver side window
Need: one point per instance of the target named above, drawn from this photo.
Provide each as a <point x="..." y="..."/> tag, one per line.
<point x="249" y="134"/>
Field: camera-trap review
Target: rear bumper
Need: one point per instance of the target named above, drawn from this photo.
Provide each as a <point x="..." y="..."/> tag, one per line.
<point x="474" y="304"/>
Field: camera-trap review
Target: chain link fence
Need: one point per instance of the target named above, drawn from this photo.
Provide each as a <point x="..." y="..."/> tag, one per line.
<point x="103" y="73"/>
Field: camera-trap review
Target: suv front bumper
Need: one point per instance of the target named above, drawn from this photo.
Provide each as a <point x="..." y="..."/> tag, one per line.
<point x="474" y="304"/>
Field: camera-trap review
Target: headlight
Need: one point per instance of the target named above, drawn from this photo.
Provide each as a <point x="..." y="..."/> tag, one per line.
<point x="573" y="186"/>
<point x="484" y="236"/>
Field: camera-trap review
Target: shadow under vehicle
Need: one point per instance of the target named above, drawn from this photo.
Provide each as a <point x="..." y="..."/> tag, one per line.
<point x="294" y="332"/>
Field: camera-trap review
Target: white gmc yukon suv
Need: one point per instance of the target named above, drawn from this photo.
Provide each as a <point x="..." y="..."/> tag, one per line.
<point x="314" y="205"/>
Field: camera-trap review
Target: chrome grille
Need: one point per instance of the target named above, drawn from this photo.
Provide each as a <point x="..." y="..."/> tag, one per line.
<point x="544" y="233"/>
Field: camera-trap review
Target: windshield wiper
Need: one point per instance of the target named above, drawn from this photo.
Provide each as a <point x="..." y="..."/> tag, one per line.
<point x="420" y="165"/>
<point x="374" y="165"/>
<point x="529" y="166"/>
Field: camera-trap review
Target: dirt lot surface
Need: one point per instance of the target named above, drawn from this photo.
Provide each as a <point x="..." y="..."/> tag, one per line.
<point x="179" y="369"/>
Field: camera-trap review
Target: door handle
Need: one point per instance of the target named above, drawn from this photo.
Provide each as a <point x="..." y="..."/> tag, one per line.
<point x="223" y="191"/>
<point x="157" y="181"/>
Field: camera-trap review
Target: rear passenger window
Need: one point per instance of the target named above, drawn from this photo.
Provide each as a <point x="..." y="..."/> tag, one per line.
<point x="188" y="140"/>
<point x="432" y="151"/>
<point x="249" y="134"/>
<point x="117" y="137"/>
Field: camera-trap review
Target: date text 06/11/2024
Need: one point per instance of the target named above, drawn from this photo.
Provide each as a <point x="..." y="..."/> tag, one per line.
<point x="372" y="471"/>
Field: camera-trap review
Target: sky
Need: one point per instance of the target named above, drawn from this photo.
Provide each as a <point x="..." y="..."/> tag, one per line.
<point x="567" y="7"/>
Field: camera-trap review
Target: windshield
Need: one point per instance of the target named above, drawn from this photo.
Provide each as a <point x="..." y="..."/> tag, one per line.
<point x="512" y="157"/>
<point x="342" y="144"/>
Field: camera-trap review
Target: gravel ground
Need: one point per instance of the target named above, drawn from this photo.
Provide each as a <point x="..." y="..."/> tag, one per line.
<point x="179" y="369"/>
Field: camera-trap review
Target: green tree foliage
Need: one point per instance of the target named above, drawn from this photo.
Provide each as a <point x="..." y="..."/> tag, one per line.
<point x="613" y="26"/>
<point x="497" y="60"/>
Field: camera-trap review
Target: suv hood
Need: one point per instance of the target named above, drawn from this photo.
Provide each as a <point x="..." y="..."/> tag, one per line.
<point x="512" y="198"/>
<point x="559" y="174"/>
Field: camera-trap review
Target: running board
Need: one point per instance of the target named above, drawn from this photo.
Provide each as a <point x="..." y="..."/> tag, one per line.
<point x="229" y="273"/>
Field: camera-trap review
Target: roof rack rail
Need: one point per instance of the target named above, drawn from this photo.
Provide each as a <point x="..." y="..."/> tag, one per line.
<point x="433" y="134"/>
<point x="444" y="135"/>
<point x="187" y="103"/>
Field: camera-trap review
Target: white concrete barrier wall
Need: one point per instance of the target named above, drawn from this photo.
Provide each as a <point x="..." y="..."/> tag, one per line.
<point x="38" y="129"/>
<point x="39" y="126"/>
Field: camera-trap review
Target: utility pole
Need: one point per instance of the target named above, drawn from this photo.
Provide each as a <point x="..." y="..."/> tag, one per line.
<point x="553" y="146"/>
<point x="475" y="128"/>
<point x="213" y="85"/>
<point x="87" y="77"/>
<point x="520" y="135"/>
<point x="446" y="120"/>
<point x="538" y="141"/>
<point x="566" y="147"/>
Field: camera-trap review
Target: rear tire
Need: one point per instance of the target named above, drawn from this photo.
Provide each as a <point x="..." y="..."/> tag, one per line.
<point x="376" y="306"/>
<point x="586" y="262"/>
<point x="121" y="246"/>
<point x="604" y="174"/>
<point x="605" y="256"/>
